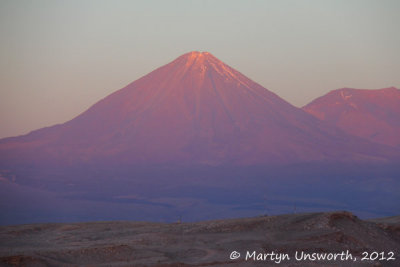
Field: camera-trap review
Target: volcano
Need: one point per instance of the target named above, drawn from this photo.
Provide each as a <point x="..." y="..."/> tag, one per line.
<point x="371" y="114"/>
<point x="194" y="138"/>
<point x="194" y="110"/>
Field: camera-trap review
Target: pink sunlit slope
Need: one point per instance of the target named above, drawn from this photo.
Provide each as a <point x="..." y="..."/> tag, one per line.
<point x="371" y="114"/>
<point x="194" y="110"/>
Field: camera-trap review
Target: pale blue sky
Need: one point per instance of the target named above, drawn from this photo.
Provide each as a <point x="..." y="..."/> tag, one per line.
<point x="60" y="57"/>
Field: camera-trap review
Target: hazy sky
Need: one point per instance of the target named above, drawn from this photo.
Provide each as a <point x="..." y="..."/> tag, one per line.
<point x="60" y="57"/>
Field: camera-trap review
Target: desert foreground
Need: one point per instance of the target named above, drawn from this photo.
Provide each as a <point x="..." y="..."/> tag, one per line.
<point x="260" y="241"/>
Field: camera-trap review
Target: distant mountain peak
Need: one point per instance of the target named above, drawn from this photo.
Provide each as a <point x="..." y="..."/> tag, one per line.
<point x="368" y="113"/>
<point x="392" y="88"/>
<point x="365" y="91"/>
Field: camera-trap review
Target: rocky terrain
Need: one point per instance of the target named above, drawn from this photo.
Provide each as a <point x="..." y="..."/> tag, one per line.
<point x="208" y="243"/>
